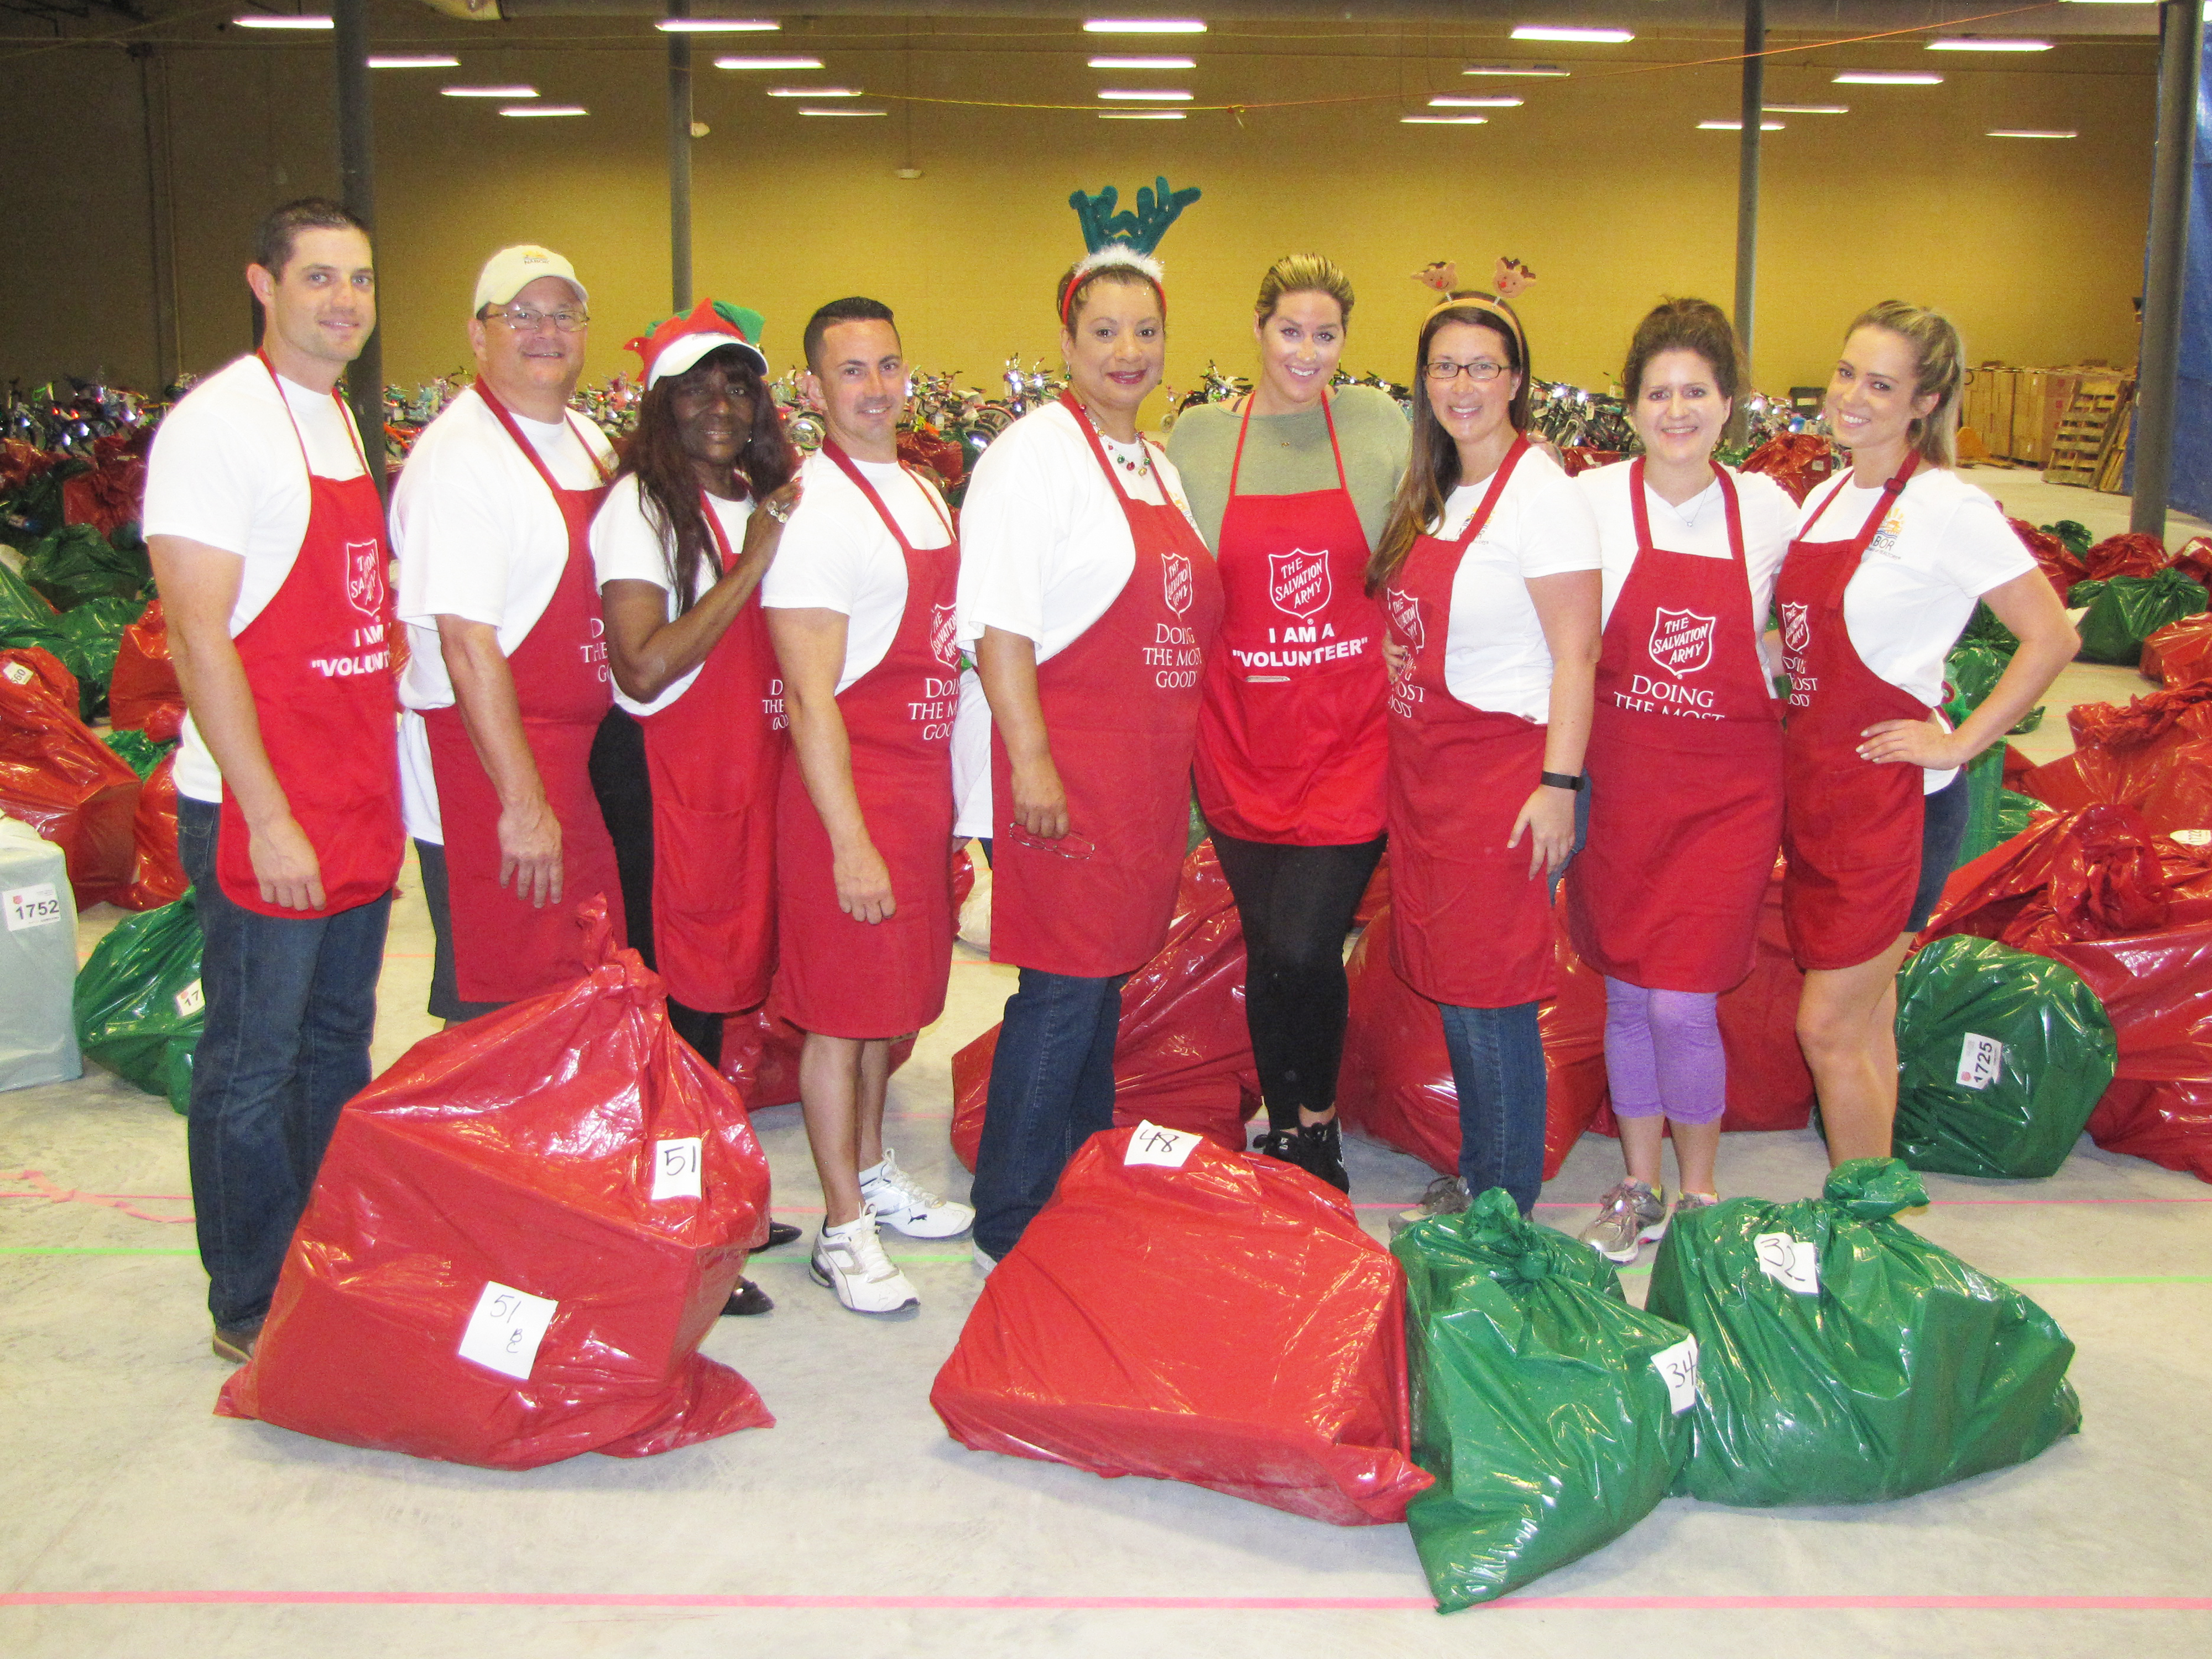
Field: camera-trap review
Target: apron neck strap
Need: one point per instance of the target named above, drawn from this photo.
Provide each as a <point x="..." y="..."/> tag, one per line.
<point x="285" y="404"/>
<point x="1498" y="483"/>
<point x="851" y="468"/>
<point x="1335" y="449"/>
<point x="1642" y="514"/>
<point x="1847" y="567"/>
<point x="722" y="548"/>
<point x="530" y="450"/>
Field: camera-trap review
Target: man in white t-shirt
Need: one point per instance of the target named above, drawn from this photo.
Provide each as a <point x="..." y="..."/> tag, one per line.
<point x="506" y="679"/>
<point x="268" y="541"/>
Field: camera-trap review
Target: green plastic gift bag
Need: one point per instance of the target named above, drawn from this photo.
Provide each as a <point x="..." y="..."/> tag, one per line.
<point x="1843" y="1359"/>
<point x="2002" y="1056"/>
<point x="2126" y="611"/>
<point x="1552" y="1413"/>
<point x="138" y="1007"/>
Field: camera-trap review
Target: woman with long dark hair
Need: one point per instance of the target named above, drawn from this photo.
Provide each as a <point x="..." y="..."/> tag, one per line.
<point x="1488" y="573"/>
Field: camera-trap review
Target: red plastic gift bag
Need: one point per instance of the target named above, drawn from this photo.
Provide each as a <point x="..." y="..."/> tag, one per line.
<point x="1798" y="461"/>
<point x="158" y="874"/>
<point x="58" y="777"/>
<point x="2153" y="753"/>
<point x="2195" y="560"/>
<point x="520" y="1235"/>
<point x="1184" y="1055"/>
<point x="143" y="695"/>
<point x="1191" y="1314"/>
<point x="2129" y="554"/>
<point x="2131" y="913"/>
<point x="2179" y="653"/>
<point x="760" y="1056"/>
<point x="2061" y="565"/>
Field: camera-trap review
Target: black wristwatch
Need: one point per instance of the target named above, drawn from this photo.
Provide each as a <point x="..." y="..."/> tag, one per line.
<point x="1563" y="780"/>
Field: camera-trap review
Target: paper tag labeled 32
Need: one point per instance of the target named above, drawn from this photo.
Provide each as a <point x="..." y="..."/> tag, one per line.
<point x="506" y="1329"/>
<point x="1678" y="1367"/>
<point x="1792" y="1263"/>
<point x="1981" y="1059"/>
<point x="1169" y="1148"/>
<point x="31" y="907"/>
<point x="676" y="1169"/>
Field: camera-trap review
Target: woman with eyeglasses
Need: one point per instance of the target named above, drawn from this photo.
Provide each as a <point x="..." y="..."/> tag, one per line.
<point x="1091" y="603"/>
<point x="1685" y="760"/>
<point x="1292" y="484"/>
<point x="1488" y="573"/>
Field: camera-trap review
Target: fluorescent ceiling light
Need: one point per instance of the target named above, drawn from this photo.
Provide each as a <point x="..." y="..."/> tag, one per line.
<point x="1124" y="95"/>
<point x="413" y="60"/>
<point x="1143" y="26"/>
<point x="1144" y="62"/>
<point x="1976" y="43"/>
<point x="1141" y="115"/>
<point x="771" y="61"/>
<point x="716" y="25"/>
<point x="1445" y="120"/>
<point x="488" y="92"/>
<point x="546" y="109"/>
<point x="844" y="111"/>
<point x="1539" y="71"/>
<point x="1885" y="78"/>
<point x="2027" y="132"/>
<point x="1447" y="100"/>
<point x="281" y="19"/>
<point x="1736" y="126"/>
<point x="1805" y="109"/>
<point x="1561" y="32"/>
<point x="814" y="92"/>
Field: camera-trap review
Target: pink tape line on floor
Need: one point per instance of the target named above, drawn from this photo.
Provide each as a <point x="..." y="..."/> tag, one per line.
<point x="1111" y="1603"/>
<point x="40" y="1186"/>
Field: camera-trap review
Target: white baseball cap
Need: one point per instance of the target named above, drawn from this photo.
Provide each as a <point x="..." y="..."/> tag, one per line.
<point x="511" y="270"/>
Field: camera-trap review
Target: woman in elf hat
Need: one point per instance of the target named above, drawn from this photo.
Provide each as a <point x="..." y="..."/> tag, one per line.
<point x="687" y="764"/>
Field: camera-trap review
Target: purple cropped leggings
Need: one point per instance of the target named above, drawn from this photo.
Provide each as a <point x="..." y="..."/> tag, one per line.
<point x="1663" y="1052"/>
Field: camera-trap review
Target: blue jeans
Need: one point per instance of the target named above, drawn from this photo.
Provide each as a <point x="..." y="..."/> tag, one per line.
<point x="1052" y="1089"/>
<point x="1498" y="1067"/>
<point x="291" y="1005"/>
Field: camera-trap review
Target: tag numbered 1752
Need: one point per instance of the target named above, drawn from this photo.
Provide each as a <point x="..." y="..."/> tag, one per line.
<point x="36" y="906"/>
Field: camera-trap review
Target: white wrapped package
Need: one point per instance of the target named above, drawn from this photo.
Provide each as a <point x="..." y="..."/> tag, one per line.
<point x="38" y="961"/>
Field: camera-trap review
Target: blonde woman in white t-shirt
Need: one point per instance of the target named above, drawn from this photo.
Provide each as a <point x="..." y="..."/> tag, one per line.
<point x="1881" y="581"/>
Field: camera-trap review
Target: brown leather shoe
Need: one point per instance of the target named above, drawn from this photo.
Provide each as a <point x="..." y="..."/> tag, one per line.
<point x="236" y="1342"/>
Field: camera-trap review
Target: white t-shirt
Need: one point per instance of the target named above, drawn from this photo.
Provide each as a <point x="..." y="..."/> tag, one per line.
<point x="479" y="536"/>
<point x="1697" y="526"/>
<point x="226" y="470"/>
<point x="1045" y="549"/>
<point x="626" y="548"/>
<point x="1944" y="544"/>
<point x="837" y="555"/>
<point x="1496" y="657"/>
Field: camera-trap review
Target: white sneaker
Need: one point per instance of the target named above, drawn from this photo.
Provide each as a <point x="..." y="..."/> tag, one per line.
<point x="902" y="1203"/>
<point x="984" y="1262"/>
<point x="850" y="1260"/>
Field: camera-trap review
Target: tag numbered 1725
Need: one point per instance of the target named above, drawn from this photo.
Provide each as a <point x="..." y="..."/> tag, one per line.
<point x="676" y="1169"/>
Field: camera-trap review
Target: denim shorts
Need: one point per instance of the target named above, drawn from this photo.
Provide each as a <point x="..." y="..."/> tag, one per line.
<point x="1943" y="827"/>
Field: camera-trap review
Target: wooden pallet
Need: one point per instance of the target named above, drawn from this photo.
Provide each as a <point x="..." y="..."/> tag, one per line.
<point x="2079" y="446"/>
<point x="2112" y="465"/>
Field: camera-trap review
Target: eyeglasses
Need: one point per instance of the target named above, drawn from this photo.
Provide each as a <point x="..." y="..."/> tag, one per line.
<point x="523" y="321"/>
<point x="1481" y="371"/>
<point x="1066" y="847"/>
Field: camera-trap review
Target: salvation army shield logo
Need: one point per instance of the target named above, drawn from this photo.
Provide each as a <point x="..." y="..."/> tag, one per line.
<point x="1299" y="582"/>
<point x="944" y="637"/>
<point x="1176" y="581"/>
<point x="364" y="578"/>
<point x="1681" y="641"/>
<point x="1797" y="626"/>
<point x="1405" y="615"/>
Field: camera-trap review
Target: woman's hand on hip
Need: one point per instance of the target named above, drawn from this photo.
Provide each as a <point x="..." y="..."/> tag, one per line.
<point x="1547" y="817"/>
<point x="1928" y="743"/>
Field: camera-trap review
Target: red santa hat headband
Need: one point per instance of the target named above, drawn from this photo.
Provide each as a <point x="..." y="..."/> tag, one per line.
<point x="1114" y="257"/>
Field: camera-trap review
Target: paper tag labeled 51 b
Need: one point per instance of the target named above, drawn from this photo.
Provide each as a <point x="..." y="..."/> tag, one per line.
<point x="1790" y="1262"/>
<point x="1980" y="1060"/>
<point x="1169" y="1148"/>
<point x="1678" y="1367"/>
<point x="31" y="907"/>
<point x="676" y="1169"/>
<point x="506" y="1329"/>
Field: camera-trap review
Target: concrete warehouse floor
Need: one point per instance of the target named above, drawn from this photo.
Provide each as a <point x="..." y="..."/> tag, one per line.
<point x="132" y="1521"/>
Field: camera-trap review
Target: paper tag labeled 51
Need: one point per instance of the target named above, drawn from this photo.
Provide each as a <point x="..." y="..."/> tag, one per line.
<point x="1790" y="1262"/>
<point x="506" y="1329"/>
<point x="1678" y="1368"/>
<point x="1169" y="1148"/>
<point x="676" y="1169"/>
<point x="31" y="907"/>
<point x="1981" y="1059"/>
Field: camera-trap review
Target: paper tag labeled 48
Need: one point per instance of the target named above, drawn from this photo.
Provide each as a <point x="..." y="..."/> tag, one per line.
<point x="506" y="1329"/>
<point x="1678" y="1367"/>
<point x="191" y="1001"/>
<point x="1792" y="1263"/>
<point x="1981" y="1060"/>
<point x="31" y="907"/>
<point x="676" y="1169"/>
<point x="1169" y="1148"/>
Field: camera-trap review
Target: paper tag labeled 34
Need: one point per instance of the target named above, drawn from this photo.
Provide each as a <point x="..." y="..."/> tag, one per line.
<point x="676" y="1169"/>
<point x="1678" y="1367"/>
<point x="1981" y="1059"/>
<point x="1150" y="1144"/>
<point x="1791" y="1262"/>
<point x="506" y="1329"/>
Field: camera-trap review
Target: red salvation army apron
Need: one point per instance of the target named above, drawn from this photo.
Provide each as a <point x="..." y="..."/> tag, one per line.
<point x="1121" y="703"/>
<point x="1684" y="766"/>
<point x="1292" y="739"/>
<point x="1850" y="827"/>
<point x="317" y="659"/>
<point x="715" y="756"/>
<point x="840" y="976"/>
<point x="505" y="948"/>
<point x="1468" y="925"/>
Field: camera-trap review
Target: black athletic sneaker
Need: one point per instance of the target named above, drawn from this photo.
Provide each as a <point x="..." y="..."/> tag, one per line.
<point x="1316" y="1148"/>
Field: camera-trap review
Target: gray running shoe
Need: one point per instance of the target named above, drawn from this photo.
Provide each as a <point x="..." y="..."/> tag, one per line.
<point x="1628" y="1217"/>
<point x="1447" y="1195"/>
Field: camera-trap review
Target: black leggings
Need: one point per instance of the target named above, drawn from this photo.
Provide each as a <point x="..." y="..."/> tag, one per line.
<point x="624" y="787"/>
<point x="1296" y="905"/>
